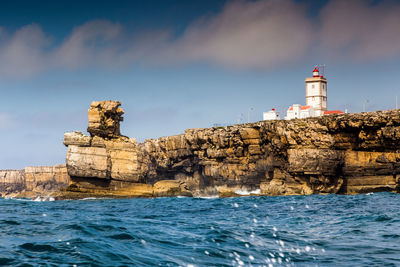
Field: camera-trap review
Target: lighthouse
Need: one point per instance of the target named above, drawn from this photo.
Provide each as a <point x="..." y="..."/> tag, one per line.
<point x="316" y="92"/>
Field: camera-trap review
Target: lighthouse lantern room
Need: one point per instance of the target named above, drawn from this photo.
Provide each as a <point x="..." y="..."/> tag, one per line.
<point x="316" y="92"/>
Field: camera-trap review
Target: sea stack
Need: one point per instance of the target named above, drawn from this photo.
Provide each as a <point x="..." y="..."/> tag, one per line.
<point x="104" y="118"/>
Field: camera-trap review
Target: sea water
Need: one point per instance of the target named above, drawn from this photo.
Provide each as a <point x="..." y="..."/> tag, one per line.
<point x="317" y="230"/>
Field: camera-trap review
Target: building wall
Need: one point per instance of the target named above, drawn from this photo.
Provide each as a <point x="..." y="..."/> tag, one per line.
<point x="271" y="115"/>
<point x="316" y="94"/>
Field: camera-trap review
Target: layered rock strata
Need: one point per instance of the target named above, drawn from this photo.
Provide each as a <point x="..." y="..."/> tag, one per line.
<point x="33" y="181"/>
<point x="349" y="153"/>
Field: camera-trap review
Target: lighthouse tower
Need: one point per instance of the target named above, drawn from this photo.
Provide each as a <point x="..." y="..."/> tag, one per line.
<point x="316" y="93"/>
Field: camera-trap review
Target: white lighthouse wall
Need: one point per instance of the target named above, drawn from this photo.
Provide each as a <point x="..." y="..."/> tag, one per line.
<point x="313" y="89"/>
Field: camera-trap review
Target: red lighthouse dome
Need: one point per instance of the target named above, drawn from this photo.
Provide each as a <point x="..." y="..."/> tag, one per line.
<point x="316" y="72"/>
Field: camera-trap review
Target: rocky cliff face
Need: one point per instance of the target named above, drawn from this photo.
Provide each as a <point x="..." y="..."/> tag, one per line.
<point x="349" y="153"/>
<point x="33" y="181"/>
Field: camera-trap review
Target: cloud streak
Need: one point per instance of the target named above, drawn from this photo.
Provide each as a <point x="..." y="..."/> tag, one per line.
<point x="258" y="34"/>
<point x="361" y="30"/>
<point x="261" y="34"/>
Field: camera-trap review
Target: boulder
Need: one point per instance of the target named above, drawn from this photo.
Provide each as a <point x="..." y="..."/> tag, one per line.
<point x="170" y="188"/>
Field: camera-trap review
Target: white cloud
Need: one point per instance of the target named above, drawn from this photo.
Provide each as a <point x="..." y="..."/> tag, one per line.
<point x="23" y="53"/>
<point x="248" y="34"/>
<point x="91" y="43"/>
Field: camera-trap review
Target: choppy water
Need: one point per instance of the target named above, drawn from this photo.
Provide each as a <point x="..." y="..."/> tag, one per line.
<point x="317" y="230"/>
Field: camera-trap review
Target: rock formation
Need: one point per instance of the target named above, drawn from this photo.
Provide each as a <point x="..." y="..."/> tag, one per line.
<point x="349" y="153"/>
<point x="104" y="118"/>
<point x="33" y="181"/>
<point x="344" y="154"/>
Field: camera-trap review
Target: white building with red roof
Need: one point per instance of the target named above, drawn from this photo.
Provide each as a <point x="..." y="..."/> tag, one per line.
<point x="271" y="115"/>
<point x="316" y="100"/>
<point x="297" y="111"/>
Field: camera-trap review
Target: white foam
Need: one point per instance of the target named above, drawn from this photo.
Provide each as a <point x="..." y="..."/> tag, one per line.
<point x="45" y="198"/>
<point x="244" y="192"/>
<point x="209" y="197"/>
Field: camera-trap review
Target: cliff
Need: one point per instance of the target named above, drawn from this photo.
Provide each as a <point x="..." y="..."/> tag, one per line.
<point x="345" y="154"/>
<point x="33" y="181"/>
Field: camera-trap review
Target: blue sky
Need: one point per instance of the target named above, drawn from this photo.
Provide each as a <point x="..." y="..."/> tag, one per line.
<point x="183" y="64"/>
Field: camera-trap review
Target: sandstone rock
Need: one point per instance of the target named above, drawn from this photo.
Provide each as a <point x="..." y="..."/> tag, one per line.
<point x="330" y="154"/>
<point x="33" y="181"/>
<point x="104" y="119"/>
<point x="46" y="178"/>
<point x="76" y="139"/>
<point x="124" y="160"/>
<point x="98" y="142"/>
<point x="170" y="188"/>
<point x="12" y="181"/>
<point x="88" y="162"/>
<point x="315" y="161"/>
<point x="91" y="187"/>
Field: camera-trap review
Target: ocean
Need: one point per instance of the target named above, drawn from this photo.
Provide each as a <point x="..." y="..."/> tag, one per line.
<point x="316" y="230"/>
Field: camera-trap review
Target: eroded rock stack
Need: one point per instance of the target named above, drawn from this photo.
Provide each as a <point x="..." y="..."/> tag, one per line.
<point x="104" y="119"/>
<point x="349" y="153"/>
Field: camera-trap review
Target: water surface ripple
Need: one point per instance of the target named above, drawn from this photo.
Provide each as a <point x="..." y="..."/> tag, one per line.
<point x="318" y="230"/>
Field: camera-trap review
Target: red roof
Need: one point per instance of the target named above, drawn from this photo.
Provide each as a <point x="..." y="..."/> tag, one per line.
<point x="315" y="70"/>
<point x="329" y="112"/>
<point x="302" y="107"/>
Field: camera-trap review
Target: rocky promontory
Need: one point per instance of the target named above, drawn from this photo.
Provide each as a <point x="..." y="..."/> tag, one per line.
<point x="344" y="154"/>
<point x="341" y="154"/>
